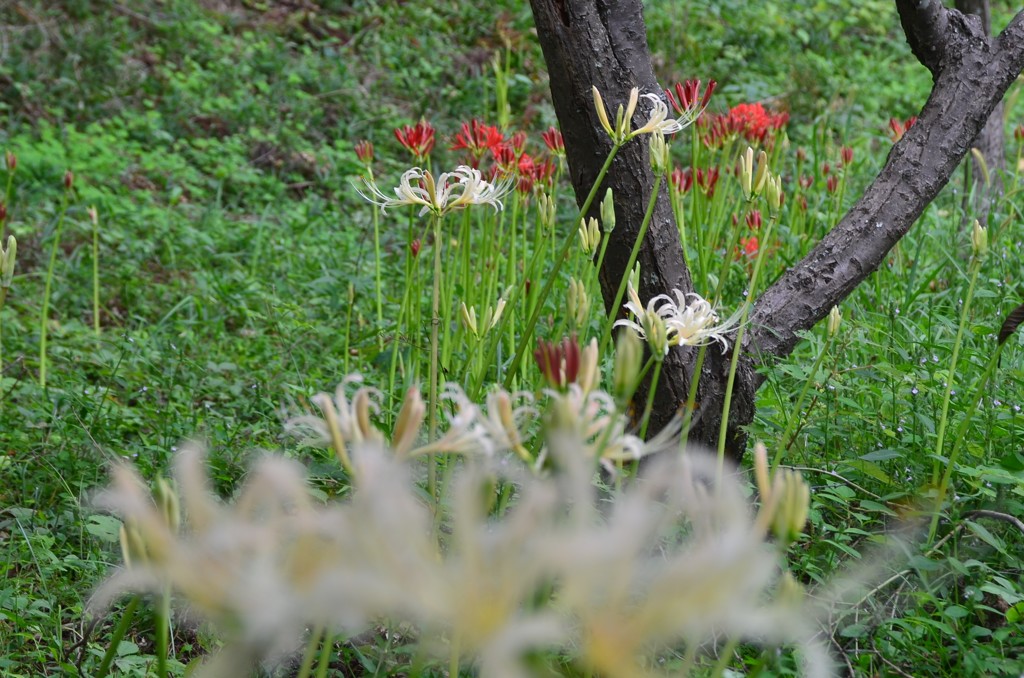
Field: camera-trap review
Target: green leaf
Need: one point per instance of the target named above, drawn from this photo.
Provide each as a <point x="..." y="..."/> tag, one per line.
<point x="982" y="533"/>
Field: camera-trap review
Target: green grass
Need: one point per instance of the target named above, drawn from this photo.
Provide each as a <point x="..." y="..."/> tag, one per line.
<point x="237" y="279"/>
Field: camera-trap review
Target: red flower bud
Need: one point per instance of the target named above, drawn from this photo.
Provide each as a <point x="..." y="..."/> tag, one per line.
<point x="69" y="180"/>
<point x="364" y="151"/>
<point x="846" y="155"/>
<point x="414" y="247"/>
<point x="832" y="183"/>
<point x="554" y="141"/>
<point x="12" y="161"/>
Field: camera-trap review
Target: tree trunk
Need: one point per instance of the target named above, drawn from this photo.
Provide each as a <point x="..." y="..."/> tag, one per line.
<point x="604" y="43"/>
<point x="991" y="139"/>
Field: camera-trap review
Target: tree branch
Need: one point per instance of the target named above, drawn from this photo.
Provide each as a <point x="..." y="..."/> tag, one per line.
<point x="966" y="91"/>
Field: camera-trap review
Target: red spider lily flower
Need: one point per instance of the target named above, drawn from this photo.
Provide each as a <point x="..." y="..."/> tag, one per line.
<point x="505" y="158"/>
<point x="826" y="169"/>
<point x="364" y="151"/>
<point x="832" y="183"/>
<point x="682" y="179"/>
<point x="754" y="219"/>
<point x="559" y="363"/>
<point x="1018" y="133"/>
<point x="518" y="142"/>
<point x="806" y="181"/>
<point x="477" y="138"/>
<point x="846" y="155"/>
<point x="554" y="141"/>
<point x="898" y="129"/>
<point x="751" y="121"/>
<point x="707" y="179"/>
<point x="418" y="139"/>
<point x="688" y="101"/>
<point x="543" y="173"/>
<point x="414" y="247"/>
<point x="749" y="247"/>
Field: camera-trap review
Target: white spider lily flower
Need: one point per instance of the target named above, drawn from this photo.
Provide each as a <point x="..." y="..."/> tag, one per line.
<point x="460" y="188"/>
<point x="466" y="434"/>
<point x="659" y="120"/>
<point x="687" y="324"/>
<point x="504" y="420"/>
<point x="695" y="323"/>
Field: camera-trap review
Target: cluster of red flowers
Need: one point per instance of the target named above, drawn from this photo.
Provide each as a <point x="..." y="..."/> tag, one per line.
<point x="750" y="121"/>
<point x="706" y="179"/>
<point x="481" y="141"/>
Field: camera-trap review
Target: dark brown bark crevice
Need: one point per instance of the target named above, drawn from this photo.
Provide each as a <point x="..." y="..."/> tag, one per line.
<point x="604" y="43"/>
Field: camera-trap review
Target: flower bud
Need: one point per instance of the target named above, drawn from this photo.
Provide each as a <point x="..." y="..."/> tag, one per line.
<point x="590" y="236"/>
<point x="629" y="356"/>
<point x="577" y="303"/>
<point x="590" y="373"/>
<point x="69" y="180"/>
<point x="410" y="419"/>
<point x="414" y="248"/>
<point x="661" y="160"/>
<point x="979" y="239"/>
<point x="834" y="320"/>
<point x="364" y="151"/>
<point x="747" y="173"/>
<point x="168" y="503"/>
<point x="602" y="113"/>
<point x="3" y="212"/>
<point x="608" y="212"/>
<point x="773" y="194"/>
<point x="761" y="174"/>
<point x="133" y="547"/>
<point x="12" y="161"/>
<point x="792" y="501"/>
<point x="7" y="257"/>
<point x="469" y="318"/>
<point x="94" y="216"/>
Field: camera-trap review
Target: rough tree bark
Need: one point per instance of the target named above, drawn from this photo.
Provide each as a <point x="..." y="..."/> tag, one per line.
<point x="991" y="140"/>
<point x="604" y="43"/>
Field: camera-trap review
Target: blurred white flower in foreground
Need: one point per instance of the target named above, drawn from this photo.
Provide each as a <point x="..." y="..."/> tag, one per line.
<point x="522" y="562"/>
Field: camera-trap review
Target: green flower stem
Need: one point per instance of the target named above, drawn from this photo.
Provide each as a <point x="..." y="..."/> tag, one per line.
<point x="978" y="393"/>
<point x="524" y="340"/>
<point x="324" y="662"/>
<point x="751" y="287"/>
<point x="691" y="396"/>
<point x="435" y="322"/>
<point x="784" y="441"/>
<point x="163" y="624"/>
<point x="3" y="299"/>
<point x="649" y="407"/>
<point x="607" y="334"/>
<point x="975" y="268"/>
<point x="115" y="640"/>
<point x="379" y="289"/>
<point x="944" y="418"/>
<point x="307" y="656"/>
<point x="724" y="658"/>
<point x="44" y="314"/>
